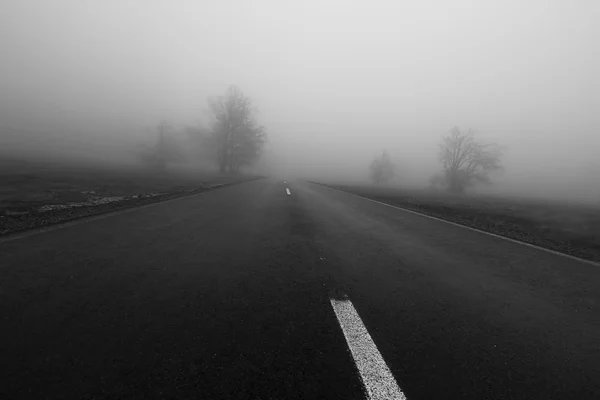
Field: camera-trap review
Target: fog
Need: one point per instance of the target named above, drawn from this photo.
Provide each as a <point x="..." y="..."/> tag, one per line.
<point x="336" y="82"/>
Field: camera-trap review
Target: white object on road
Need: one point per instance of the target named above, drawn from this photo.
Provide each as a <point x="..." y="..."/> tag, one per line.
<point x="377" y="378"/>
<point x="288" y="191"/>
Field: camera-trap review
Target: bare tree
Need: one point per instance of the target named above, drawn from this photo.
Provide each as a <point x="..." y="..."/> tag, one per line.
<point x="382" y="168"/>
<point x="164" y="151"/>
<point x="201" y="144"/>
<point x="238" y="137"/>
<point x="465" y="162"/>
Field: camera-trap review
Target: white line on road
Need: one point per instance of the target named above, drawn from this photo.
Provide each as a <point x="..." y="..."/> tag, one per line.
<point x="288" y="191"/>
<point x="377" y="378"/>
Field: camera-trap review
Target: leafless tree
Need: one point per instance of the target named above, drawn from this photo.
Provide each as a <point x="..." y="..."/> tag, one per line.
<point x="164" y="151"/>
<point x="382" y="168"/>
<point x="465" y="162"/>
<point x="201" y="144"/>
<point x="238" y="137"/>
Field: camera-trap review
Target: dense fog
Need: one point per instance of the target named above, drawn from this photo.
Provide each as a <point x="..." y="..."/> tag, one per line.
<point x="335" y="82"/>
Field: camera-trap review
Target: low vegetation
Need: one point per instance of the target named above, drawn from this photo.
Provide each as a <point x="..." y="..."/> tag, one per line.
<point x="39" y="193"/>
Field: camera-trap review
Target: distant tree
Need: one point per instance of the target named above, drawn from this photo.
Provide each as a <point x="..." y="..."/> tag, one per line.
<point x="201" y="144"/>
<point x="238" y="138"/>
<point x="164" y="151"/>
<point x="465" y="162"/>
<point x="436" y="182"/>
<point x="382" y="168"/>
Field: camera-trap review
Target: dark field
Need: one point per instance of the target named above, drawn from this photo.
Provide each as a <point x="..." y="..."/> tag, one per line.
<point x="39" y="193"/>
<point x="569" y="228"/>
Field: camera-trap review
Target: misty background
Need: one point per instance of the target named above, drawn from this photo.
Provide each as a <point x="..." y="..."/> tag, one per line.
<point x="335" y="82"/>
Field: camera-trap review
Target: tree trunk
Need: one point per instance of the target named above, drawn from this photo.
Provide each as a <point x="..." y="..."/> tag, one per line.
<point x="455" y="187"/>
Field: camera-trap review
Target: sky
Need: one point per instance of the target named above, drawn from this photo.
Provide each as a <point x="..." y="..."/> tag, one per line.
<point x="335" y="82"/>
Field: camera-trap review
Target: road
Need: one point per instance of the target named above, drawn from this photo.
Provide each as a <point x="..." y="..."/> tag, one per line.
<point x="258" y="290"/>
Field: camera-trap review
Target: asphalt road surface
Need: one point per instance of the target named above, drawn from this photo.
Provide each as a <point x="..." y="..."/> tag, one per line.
<point x="273" y="290"/>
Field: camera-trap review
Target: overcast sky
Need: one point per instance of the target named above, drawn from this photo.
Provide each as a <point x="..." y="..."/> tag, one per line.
<point x="335" y="81"/>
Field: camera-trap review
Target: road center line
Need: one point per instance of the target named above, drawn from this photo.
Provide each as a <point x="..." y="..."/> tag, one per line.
<point x="377" y="378"/>
<point x="288" y="191"/>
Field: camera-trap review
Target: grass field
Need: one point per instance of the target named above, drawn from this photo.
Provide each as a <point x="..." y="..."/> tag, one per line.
<point x="570" y="228"/>
<point x="28" y="185"/>
<point x="44" y="192"/>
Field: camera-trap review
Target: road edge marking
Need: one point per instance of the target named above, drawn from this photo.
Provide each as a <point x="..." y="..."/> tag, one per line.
<point x="558" y="253"/>
<point x="377" y="379"/>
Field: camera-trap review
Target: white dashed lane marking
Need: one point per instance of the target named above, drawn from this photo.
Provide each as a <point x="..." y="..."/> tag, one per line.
<point x="288" y="191"/>
<point x="378" y="381"/>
